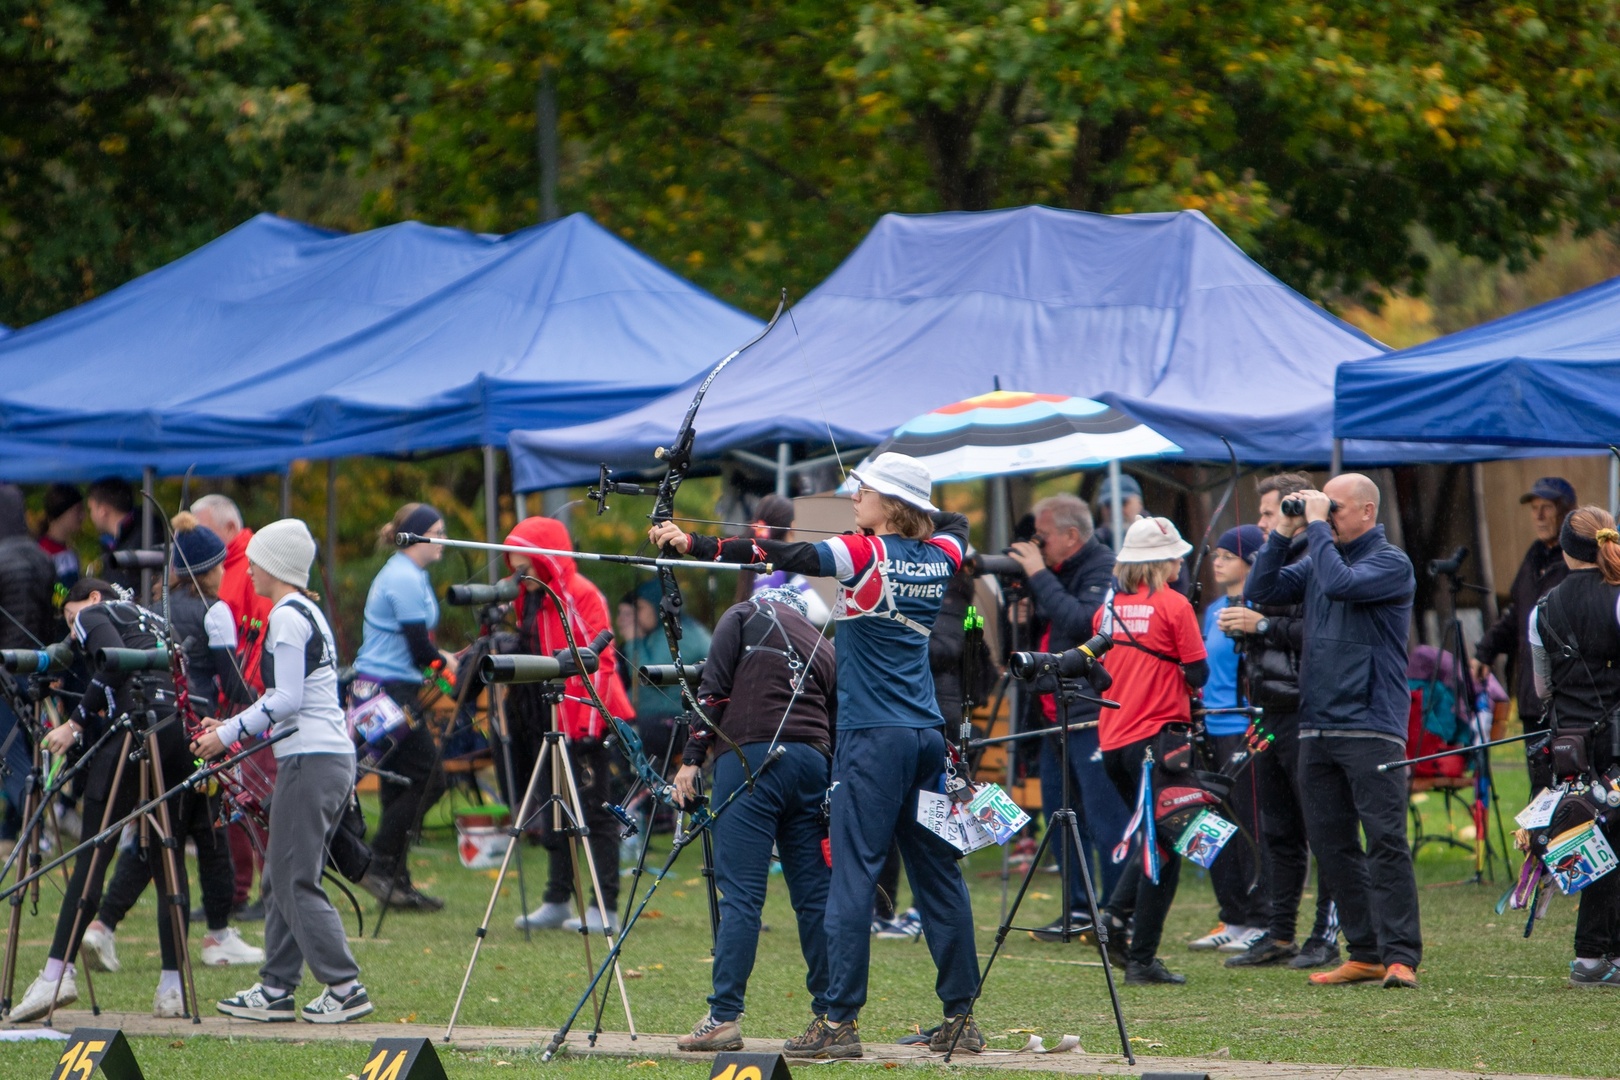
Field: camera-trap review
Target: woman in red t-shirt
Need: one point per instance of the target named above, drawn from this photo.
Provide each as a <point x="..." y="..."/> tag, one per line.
<point x="1156" y="661"/>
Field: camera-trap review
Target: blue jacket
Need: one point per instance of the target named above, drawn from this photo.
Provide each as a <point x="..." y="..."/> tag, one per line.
<point x="1358" y="609"/>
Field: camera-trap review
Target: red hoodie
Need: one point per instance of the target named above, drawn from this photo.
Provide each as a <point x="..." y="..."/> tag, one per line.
<point x="251" y="610"/>
<point x="587" y="616"/>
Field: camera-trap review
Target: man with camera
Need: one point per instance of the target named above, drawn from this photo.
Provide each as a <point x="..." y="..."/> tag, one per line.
<point x="1550" y="499"/>
<point x="1272" y="640"/>
<point x="1356" y="588"/>
<point x="1069" y="571"/>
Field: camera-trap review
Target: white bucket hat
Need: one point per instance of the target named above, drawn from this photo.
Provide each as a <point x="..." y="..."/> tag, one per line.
<point x="1152" y="539"/>
<point x="898" y="476"/>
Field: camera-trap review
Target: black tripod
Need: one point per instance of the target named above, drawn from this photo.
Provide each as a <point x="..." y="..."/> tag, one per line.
<point x="1065" y="826"/>
<point x="1485" y="797"/>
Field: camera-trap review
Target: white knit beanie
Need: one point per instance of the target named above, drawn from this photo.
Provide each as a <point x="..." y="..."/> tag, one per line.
<point x="285" y="549"/>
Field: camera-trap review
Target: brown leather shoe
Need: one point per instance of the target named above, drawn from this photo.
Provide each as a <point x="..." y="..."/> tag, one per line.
<point x="1351" y="971"/>
<point x="1400" y="977"/>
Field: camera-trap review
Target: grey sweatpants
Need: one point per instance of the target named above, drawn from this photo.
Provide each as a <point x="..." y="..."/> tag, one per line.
<point x="300" y="923"/>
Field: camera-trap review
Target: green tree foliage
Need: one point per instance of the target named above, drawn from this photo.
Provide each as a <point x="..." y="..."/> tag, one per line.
<point x="133" y="132"/>
<point x="748" y="144"/>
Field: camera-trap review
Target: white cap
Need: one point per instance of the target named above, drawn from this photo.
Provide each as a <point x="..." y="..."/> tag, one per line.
<point x="1152" y="539"/>
<point x="898" y="476"/>
<point x="285" y="549"/>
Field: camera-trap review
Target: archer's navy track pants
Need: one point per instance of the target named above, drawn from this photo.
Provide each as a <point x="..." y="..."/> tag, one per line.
<point x="877" y="773"/>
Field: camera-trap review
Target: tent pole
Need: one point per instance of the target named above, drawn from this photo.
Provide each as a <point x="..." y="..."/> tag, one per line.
<point x="286" y="492"/>
<point x="1336" y="464"/>
<point x="999" y="532"/>
<point x="554" y="503"/>
<point x="520" y="504"/>
<point x="331" y="521"/>
<point x="1116" y="506"/>
<point x="492" y="521"/>
<point x="1614" y="485"/>
<point x="1482" y="537"/>
<point x="784" y="457"/>
<point x="148" y="478"/>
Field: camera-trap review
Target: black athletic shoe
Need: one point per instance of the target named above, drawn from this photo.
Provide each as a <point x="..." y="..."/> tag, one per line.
<point x="823" y="1040"/>
<point x="1604" y="974"/>
<point x="971" y="1041"/>
<point x="248" y="911"/>
<point x="1119" y="940"/>
<point x="1263" y="953"/>
<point x="1316" y="953"/>
<point x="1154" y="974"/>
<point x="1079" y="925"/>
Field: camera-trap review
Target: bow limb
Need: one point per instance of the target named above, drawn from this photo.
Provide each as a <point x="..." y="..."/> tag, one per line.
<point x="1215" y="516"/>
<point x="678" y="457"/>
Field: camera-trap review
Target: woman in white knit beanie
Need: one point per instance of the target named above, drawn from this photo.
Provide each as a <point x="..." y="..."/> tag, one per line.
<point x="314" y="777"/>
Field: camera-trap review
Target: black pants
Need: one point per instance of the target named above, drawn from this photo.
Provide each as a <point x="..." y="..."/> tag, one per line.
<point x="84" y="888"/>
<point x="593" y="778"/>
<point x="1136" y="894"/>
<point x="216" y="875"/>
<point x="1236" y="875"/>
<point x="1282" y="824"/>
<point x="1597" y="925"/>
<point x="416" y="758"/>
<point x="1375" y="889"/>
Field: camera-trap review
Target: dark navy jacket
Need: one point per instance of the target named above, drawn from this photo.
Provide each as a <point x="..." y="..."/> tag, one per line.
<point x="1358" y="609"/>
<point x="1066" y="599"/>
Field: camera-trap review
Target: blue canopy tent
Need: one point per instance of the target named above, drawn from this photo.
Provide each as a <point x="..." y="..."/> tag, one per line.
<point x="1548" y="376"/>
<point x="281" y="341"/>
<point x="1159" y="315"/>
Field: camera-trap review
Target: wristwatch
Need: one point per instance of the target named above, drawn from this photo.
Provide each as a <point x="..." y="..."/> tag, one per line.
<point x="1263" y="625"/>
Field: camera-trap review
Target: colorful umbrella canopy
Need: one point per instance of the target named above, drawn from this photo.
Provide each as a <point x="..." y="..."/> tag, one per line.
<point x="1006" y="432"/>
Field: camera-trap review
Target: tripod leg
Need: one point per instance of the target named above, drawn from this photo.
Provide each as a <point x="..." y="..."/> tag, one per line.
<point x="1102" y="930"/>
<point x="28" y="842"/>
<point x="95" y="865"/>
<point x="173" y="897"/>
<point x="519" y="822"/>
<point x="498" y="727"/>
<point x="596" y="884"/>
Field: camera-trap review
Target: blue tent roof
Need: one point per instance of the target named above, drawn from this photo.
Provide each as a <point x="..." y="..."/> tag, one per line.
<point x="1548" y="376"/>
<point x="280" y="341"/>
<point x="1159" y="315"/>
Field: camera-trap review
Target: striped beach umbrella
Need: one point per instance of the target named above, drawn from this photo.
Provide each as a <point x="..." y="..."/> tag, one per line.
<point x="1006" y="432"/>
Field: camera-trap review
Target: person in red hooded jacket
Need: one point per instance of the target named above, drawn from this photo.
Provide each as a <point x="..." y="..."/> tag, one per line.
<point x="528" y="717"/>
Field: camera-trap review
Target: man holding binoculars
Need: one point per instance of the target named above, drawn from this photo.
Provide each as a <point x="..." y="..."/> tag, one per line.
<point x="1357" y="591"/>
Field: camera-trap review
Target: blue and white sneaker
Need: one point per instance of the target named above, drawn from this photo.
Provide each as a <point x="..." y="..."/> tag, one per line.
<point x="905" y="927"/>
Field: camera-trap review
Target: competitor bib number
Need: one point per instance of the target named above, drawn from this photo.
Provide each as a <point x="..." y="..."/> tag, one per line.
<point x="1204" y="837"/>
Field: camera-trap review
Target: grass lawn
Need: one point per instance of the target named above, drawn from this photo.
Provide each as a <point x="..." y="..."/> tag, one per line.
<point x="1485" y="998"/>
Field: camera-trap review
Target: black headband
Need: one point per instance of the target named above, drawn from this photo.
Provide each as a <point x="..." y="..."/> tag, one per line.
<point x="1576" y="546"/>
<point x="420" y="520"/>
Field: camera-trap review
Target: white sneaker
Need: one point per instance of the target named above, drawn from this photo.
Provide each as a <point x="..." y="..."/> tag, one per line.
<point x="168" y="1004"/>
<point x="254" y="1004"/>
<point x="545" y="917"/>
<point x="226" y="947"/>
<point x="37" y="1001"/>
<point x="1245" y="936"/>
<point x="98" y="949"/>
<point x="1221" y="935"/>
<point x="593" y="922"/>
<point x="331" y="1009"/>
